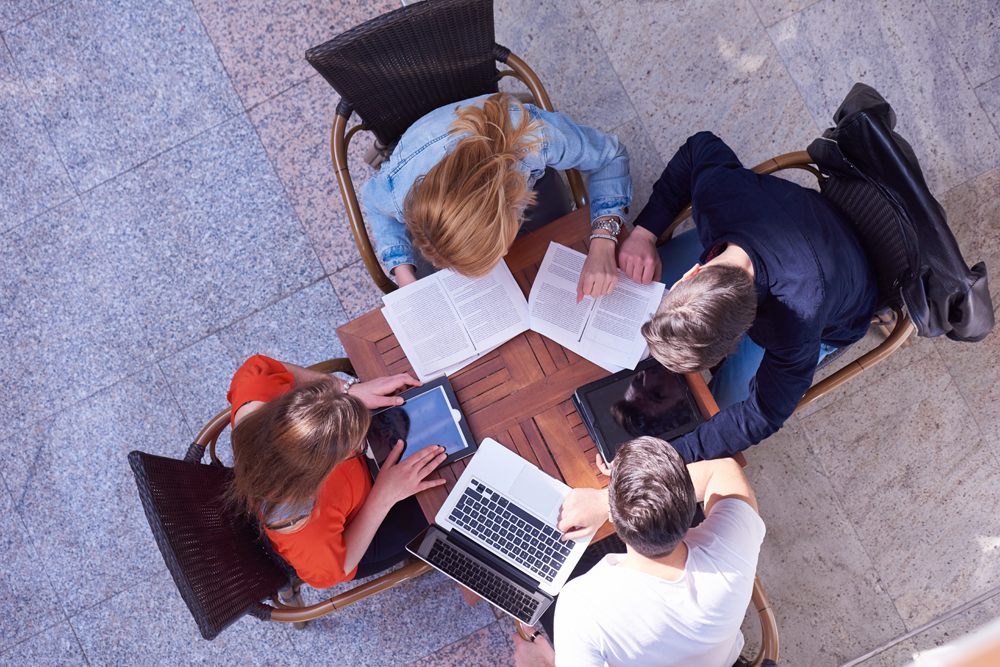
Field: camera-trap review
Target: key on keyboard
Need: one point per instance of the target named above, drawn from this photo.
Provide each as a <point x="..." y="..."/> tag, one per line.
<point x="519" y="536"/>
<point x="482" y="580"/>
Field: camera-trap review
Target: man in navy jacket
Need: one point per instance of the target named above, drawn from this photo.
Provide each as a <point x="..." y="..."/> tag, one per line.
<point x="774" y="280"/>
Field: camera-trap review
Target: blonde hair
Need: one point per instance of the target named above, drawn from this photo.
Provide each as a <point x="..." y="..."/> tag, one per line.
<point x="466" y="211"/>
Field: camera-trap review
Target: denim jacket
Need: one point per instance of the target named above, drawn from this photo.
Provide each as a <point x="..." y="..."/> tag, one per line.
<point x="564" y="145"/>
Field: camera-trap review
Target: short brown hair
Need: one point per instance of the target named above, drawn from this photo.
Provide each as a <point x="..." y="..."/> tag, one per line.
<point x="466" y="211"/>
<point x="651" y="496"/>
<point x="702" y="319"/>
<point x="285" y="450"/>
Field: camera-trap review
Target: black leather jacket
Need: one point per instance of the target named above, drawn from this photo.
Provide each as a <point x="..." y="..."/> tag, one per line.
<point x="942" y="295"/>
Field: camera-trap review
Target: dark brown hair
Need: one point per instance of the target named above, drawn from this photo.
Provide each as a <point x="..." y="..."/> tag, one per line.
<point x="702" y="319"/>
<point x="466" y="211"/>
<point x="651" y="495"/>
<point x="284" y="450"/>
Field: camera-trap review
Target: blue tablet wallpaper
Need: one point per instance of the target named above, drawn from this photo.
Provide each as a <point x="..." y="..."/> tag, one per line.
<point x="422" y="421"/>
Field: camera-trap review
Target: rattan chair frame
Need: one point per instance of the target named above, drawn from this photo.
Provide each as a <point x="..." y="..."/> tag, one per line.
<point x="897" y="337"/>
<point x="340" y="138"/>
<point x="282" y="613"/>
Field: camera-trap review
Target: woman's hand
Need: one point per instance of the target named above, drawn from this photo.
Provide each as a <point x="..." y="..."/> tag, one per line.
<point x="375" y="393"/>
<point x="600" y="273"/>
<point x="401" y="479"/>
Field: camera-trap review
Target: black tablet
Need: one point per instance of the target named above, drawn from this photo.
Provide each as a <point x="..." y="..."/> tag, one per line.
<point x="647" y="401"/>
<point x="430" y="416"/>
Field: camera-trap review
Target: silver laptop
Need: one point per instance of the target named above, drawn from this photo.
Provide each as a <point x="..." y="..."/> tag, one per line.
<point x="496" y="534"/>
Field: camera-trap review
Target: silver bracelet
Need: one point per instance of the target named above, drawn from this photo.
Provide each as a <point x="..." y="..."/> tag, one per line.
<point x="603" y="236"/>
<point x="349" y="382"/>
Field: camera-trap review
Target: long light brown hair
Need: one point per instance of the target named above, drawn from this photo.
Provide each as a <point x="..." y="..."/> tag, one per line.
<point x="466" y="211"/>
<point x="284" y="450"/>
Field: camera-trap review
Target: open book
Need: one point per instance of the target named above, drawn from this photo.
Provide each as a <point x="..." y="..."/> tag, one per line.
<point x="445" y="321"/>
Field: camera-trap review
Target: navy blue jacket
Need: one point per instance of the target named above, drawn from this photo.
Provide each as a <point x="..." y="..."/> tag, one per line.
<point x="812" y="278"/>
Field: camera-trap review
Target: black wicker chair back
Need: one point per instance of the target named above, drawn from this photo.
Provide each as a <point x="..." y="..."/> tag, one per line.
<point x="396" y="68"/>
<point x="878" y="226"/>
<point x="215" y="557"/>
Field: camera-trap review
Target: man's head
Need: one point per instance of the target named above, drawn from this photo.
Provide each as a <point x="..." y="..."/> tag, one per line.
<point x="651" y="496"/>
<point x="702" y="318"/>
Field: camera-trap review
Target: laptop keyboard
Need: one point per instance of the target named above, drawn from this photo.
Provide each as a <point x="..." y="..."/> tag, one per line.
<point x="519" y="536"/>
<point x="482" y="580"/>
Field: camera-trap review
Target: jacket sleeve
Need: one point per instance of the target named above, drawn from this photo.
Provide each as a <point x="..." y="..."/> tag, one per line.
<point x="602" y="156"/>
<point x="696" y="160"/>
<point x="775" y="391"/>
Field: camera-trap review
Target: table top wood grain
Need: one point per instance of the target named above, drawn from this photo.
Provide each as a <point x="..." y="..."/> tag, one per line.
<point x="520" y="393"/>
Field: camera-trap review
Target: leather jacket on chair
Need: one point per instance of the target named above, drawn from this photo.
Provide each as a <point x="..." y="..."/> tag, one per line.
<point x="942" y="295"/>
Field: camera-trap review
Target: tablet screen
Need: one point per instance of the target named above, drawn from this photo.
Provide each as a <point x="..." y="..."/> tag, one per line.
<point x="424" y="420"/>
<point x="652" y="401"/>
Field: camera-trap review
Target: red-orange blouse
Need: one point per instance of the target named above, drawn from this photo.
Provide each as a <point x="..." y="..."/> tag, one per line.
<point x="317" y="551"/>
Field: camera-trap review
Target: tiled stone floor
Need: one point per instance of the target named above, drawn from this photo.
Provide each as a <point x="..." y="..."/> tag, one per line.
<point x="167" y="207"/>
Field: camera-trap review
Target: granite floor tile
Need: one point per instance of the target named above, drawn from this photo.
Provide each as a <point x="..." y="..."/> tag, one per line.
<point x="956" y="627"/>
<point x="13" y="12"/>
<point x="356" y="289"/>
<point x="973" y="210"/>
<point x="27" y="596"/>
<point x="67" y="330"/>
<point x="989" y="96"/>
<point x="117" y="85"/>
<point x="149" y="624"/>
<point x="557" y="41"/>
<point x="429" y="612"/>
<point x="55" y="647"/>
<point x="645" y="164"/>
<point x="972" y="30"/>
<point x="916" y="479"/>
<point x="32" y="177"/>
<point x="829" y="601"/>
<point x="263" y="44"/>
<point x="977" y="375"/>
<point x="487" y="647"/>
<point x="295" y="129"/>
<point x="203" y="235"/>
<point x="894" y="47"/>
<point x="71" y="485"/>
<point x="772" y="11"/>
<point x="705" y="66"/>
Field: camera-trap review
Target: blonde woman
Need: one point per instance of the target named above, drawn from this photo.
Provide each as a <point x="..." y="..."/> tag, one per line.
<point x="460" y="180"/>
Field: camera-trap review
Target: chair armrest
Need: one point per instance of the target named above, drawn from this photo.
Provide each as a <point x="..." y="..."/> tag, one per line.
<point x="340" y="365"/>
<point x="284" y="614"/>
<point x="768" y="625"/>
<point x="904" y="327"/>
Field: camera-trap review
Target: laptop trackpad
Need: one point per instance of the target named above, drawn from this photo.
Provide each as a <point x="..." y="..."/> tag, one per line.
<point x="532" y="492"/>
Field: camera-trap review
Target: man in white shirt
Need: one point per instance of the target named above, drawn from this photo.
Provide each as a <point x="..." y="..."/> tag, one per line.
<point x="678" y="596"/>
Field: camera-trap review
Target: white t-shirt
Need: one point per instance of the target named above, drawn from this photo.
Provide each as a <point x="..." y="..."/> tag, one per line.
<point x="619" y="616"/>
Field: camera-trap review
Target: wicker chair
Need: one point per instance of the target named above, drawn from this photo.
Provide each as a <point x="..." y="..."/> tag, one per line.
<point x="396" y="68"/>
<point x="873" y="222"/>
<point x="222" y="567"/>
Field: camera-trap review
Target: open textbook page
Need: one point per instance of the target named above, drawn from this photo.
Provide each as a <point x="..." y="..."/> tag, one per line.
<point x="445" y="321"/>
<point x="603" y="330"/>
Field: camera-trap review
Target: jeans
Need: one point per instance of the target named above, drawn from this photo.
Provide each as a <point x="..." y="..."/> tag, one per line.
<point x="731" y="382"/>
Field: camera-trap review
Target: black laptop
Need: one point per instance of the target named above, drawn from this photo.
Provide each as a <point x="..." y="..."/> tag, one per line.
<point x="647" y="401"/>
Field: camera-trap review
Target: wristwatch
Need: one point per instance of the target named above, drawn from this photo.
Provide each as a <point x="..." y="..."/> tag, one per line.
<point x="611" y="223"/>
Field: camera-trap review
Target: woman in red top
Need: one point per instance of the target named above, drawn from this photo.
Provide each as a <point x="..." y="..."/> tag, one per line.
<point x="297" y="436"/>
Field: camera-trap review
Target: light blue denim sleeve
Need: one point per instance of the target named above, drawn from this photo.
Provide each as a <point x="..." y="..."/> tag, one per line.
<point x="393" y="246"/>
<point x="571" y="146"/>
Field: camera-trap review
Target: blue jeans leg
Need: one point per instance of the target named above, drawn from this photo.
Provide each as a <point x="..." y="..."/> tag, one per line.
<point x="678" y="255"/>
<point x="731" y="383"/>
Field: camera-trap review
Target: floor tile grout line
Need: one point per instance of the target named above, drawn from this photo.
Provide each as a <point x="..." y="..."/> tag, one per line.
<point x="23" y="21"/>
<point x="951" y="613"/>
<point x="847" y="517"/>
<point x="180" y="410"/>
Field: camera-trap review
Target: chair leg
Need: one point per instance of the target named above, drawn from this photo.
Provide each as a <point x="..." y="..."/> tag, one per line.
<point x="291" y="595"/>
<point x="886" y="322"/>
